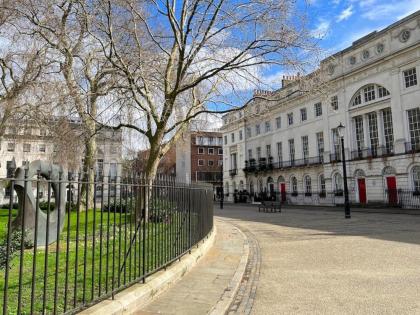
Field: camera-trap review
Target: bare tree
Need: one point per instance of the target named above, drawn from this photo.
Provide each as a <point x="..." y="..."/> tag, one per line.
<point x="177" y="59"/>
<point x="21" y="65"/>
<point x="65" y="28"/>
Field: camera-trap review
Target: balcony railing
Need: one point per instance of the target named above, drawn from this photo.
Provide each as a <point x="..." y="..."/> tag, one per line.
<point x="412" y="147"/>
<point x="233" y="172"/>
<point x="335" y="157"/>
<point x="372" y="152"/>
<point x="252" y="166"/>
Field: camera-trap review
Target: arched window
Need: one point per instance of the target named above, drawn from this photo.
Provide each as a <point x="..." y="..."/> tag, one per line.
<point x="416" y="178"/>
<point x="322" y="184"/>
<point x="308" y="185"/>
<point x="293" y="184"/>
<point x="338" y="184"/>
<point x="368" y="94"/>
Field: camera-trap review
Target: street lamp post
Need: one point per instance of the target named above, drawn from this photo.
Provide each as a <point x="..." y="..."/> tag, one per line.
<point x="347" y="213"/>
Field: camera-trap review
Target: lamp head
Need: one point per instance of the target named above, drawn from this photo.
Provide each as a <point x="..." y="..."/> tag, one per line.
<point x="340" y="130"/>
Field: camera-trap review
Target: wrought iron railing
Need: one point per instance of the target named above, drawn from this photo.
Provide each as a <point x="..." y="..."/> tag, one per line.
<point x="62" y="254"/>
<point x="412" y="147"/>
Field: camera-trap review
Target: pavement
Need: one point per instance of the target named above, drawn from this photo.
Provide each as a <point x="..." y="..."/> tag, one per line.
<point x="209" y="284"/>
<point x="305" y="261"/>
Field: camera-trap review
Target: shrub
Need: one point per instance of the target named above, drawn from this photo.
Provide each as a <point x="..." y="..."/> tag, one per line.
<point x="15" y="240"/>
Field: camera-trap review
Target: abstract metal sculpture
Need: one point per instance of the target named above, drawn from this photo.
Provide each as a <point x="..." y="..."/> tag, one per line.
<point x="48" y="227"/>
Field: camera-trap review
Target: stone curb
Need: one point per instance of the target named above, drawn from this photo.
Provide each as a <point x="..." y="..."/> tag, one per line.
<point x="137" y="296"/>
<point x="228" y="296"/>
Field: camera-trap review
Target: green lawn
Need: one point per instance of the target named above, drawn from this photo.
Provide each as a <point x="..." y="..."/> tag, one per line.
<point x="99" y="264"/>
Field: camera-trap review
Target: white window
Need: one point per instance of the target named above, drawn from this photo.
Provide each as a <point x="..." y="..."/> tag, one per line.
<point x="279" y="152"/>
<point x="220" y="151"/>
<point x="240" y="135"/>
<point x="338" y="183"/>
<point x="290" y="119"/>
<point x="257" y="129"/>
<point x="249" y="154"/>
<point x="382" y="92"/>
<point x="278" y="122"/>
<point x="334" y="102"/>
<point x="26" y="147"/>
<point x="318" y="109"/>
<point x="303" y="115"/>
<point x="410" y="77"/>
<point x="232" y="137"/>
<point x="200" y="140"/>
<point x="292" y="149"/>
<point x="293" y="183"/>
<point x="369" y="93"/>
<point x="414" y="127"/>
<point x="10" y="147"/>
<point x="248" y="132"/>
<point x="210" y="151"/>
<point x="267" y="126"/>
<point x="268" y="150"/>
<point x="200" y="150"/>
<point x="42" y="148"/>
<point x="219" y="141"/>
<point x="258" y="153"/>
<point x="416" y="178"/>
<point x="200" y="162"/>
<point x="360" y="141"/>
<point x="336" y="143"/>
<point x="373" y="133"/>
<point x="308" y="185"/>
<point x="220" y="162"/>
<point x="322" y="184"/>
<point x="388" y="130"/>
<point x="225" y="140"/>
<point x="357" y="99"/>
<point x="320" y="145"/>
<point x="210" y="162"/>
<point x="305" y="148"/>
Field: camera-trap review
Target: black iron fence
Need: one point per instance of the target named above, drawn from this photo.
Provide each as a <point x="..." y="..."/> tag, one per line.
<point x="69" y="247"/>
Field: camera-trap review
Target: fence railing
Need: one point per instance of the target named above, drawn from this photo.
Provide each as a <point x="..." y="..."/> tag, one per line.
<point x="400" y="198"/>
<point x="79" y="242"/>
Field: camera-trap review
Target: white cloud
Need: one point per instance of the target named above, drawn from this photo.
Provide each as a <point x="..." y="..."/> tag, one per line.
<point x="321" y="31"/>
<point x="345" y="14"/>
<point x="395" y="9"/>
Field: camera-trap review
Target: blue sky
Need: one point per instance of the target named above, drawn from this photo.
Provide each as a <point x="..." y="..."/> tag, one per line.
<point x="340" y="22"/>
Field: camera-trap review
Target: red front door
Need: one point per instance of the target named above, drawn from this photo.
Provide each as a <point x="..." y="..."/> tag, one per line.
<point x="391" y="185"/>
<point x="362" y="190"/>
<point x="283" y="191"/>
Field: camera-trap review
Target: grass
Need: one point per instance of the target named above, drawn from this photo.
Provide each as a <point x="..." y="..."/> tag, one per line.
<point x="88" y="265"/>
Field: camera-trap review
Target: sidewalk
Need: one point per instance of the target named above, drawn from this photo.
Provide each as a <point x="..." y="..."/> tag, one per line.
<point x="203" y="287"/>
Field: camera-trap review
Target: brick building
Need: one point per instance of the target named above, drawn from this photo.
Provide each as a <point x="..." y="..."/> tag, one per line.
<point x="199" y="156"/>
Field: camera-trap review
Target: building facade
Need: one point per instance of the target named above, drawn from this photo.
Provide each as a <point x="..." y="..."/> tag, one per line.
<point x="199" y="158"/>
<point x="288" y="144"/>
<point x="26" y="142"/>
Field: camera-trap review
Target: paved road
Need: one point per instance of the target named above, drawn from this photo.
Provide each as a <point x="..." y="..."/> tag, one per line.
<point x="316" y="262"/>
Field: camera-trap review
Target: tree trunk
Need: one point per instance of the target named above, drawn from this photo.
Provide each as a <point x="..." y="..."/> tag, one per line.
<point x="87" y="190"/>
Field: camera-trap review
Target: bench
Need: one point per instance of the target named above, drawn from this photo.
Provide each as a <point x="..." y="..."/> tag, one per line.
<point x="270" y="206"/>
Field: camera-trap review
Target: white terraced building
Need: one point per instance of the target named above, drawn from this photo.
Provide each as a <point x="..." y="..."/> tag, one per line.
<point x="290" y="145"/>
